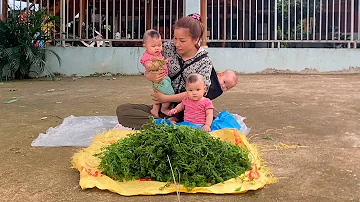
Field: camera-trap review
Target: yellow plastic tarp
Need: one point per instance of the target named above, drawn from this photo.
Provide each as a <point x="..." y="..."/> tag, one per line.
<point x="91" y="177"/>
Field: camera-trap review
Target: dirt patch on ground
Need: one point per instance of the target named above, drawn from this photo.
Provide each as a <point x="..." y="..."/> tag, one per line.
<point x="319" y="112"/>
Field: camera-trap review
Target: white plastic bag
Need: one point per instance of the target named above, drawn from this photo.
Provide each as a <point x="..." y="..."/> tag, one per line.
<point x="244" y="129"/>
<point x="80" y="130"/>
<point x="75" y="131"/>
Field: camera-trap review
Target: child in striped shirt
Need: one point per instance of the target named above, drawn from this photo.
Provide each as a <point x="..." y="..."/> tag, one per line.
<point x="197" y="109"/>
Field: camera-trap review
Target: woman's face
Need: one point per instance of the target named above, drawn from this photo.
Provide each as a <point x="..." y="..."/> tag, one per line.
<point x="183" y="41"/>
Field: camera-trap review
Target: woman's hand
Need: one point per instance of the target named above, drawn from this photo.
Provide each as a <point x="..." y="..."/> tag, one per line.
<point x="159" y="76"/>
<point x="159" y="97"/>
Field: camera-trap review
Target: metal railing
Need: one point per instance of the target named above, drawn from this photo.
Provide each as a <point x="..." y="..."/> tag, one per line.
<point x="283" y="21"/>
<point x="109" y="20"/>
<point x="229" y="23"/>
<point x="117" y="20"/>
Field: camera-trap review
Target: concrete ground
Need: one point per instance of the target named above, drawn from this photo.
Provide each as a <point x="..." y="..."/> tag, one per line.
<point x="319" y="112"/>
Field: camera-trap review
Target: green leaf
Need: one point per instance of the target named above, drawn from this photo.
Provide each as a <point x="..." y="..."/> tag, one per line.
<point x="238" y="189"/>
<point x="268" y="138"/>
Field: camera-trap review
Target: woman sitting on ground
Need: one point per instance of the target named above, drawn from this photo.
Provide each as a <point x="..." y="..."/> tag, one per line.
<point x="184" y="56"/>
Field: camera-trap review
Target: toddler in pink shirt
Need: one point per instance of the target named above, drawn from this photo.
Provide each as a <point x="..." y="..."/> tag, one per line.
<point x="197" y="109"/>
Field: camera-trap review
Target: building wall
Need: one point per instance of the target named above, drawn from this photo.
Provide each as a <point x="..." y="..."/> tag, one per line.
<point x="125" y="60"/>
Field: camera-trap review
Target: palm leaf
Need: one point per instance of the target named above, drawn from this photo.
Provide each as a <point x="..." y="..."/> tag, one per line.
<point x="55" y="54"/>
<point x="29" y="54"/>
<point x="11" y="54"/>
<point x="6" y="72"/>
<point x="52" y="76"/>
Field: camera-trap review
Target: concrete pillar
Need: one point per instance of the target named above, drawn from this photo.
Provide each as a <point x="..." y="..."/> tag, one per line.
<point x="199" y="7"/>
<point x="82" y="17"/>
<point x="148" y="14"/>
<point x="204" y="22"/>
<point x="4" y="8"/>
<point x="191" y="6"/>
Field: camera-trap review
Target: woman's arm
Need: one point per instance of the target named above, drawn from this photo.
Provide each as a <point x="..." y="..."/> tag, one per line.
<point x="146" y="61"/>
<point x="176" y="97"/>
<point x="161" y="97"/>
<point x="159" y="76"/>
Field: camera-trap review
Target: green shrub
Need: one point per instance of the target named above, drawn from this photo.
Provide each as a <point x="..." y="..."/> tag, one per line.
<point x="18" y="51"/>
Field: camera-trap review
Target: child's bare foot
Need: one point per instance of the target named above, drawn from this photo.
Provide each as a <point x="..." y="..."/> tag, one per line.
<point x="165" y="111"/>
<point x="155" y="113"/>
<point x="173" y="120"/>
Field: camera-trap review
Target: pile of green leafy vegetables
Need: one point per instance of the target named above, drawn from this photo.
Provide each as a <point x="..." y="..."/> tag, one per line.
<point x="197" y="158"/>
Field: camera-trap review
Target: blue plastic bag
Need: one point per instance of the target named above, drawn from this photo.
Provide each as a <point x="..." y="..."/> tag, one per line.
<point x="223" y="120"/>
<point x="159" y="121"/>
